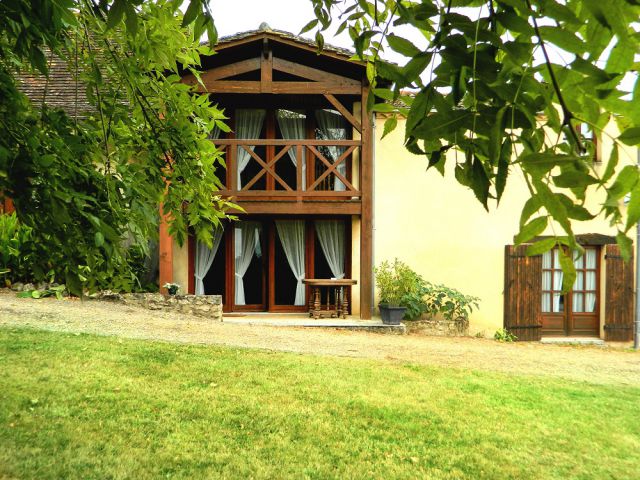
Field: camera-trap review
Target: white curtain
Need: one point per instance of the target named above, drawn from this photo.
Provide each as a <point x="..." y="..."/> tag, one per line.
<point x="204" y="259"/>
<point x="558" y="297"/>
<point x="331" y="236"/>
<point x="215" y="133"/>
<point x="332" y="126"/>
<point x="291" y="233"/>
<point x="247" y="235"/>
<point x="546" y="281"/>
<point x="248" y="126"/>
<point x="292" y="125"/>
<point x="590" y="283"/>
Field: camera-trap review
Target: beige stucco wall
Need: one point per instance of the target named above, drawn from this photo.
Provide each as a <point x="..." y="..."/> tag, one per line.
<point x="439" y="228"/>
<point x="181" y="266"/>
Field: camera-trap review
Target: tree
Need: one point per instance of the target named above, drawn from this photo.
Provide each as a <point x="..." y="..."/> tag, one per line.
<point x="481" y="83"/>
<point x="90" y="186"/>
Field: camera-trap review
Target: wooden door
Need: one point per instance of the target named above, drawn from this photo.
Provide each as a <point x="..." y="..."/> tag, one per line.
<point x="576" y="312"/>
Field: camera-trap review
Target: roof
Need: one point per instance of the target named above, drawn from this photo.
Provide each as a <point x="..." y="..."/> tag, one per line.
<point x="264" y="30"/>
<point x="61" y="90"/>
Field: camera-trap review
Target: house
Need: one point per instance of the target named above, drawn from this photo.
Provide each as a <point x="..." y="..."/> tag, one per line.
<point x="325" y="197"/>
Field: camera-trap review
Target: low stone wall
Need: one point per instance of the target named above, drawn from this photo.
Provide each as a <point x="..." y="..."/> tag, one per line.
<point x="209" y="306"/>
<point x="439" y="327"/>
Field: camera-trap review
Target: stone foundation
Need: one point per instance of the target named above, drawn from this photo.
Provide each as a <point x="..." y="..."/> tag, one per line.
<point x="439" y="327"/>
<point x="209" y="306"/>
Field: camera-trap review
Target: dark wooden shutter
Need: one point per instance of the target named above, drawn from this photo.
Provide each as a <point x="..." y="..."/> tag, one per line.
<point x="522" y="293"/>
<point x="618" y="321"/>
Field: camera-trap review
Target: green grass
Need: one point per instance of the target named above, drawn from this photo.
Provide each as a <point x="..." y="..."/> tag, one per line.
<point x="99" y="407"/>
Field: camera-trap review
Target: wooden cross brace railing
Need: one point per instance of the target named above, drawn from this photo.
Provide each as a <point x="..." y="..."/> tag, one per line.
<point x="267" y="167"/>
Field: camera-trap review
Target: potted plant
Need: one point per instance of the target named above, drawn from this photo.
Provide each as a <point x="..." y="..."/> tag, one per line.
<point x="172" y="288"/>
<point x="398" y="286"/>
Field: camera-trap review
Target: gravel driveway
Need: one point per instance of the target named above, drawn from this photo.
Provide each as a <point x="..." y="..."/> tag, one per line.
<point x="585" y="363"/>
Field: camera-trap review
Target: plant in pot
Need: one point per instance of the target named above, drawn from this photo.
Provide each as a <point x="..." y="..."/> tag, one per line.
<point x="172" y="288"/>
<point x="398" y="287"/>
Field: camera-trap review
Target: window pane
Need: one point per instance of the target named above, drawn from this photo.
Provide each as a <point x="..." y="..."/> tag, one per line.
<point x="556" y="259"/>
<point x="557" y="280"/>
<point x="546" y="280"/>
<point x="578" y="261"/>
<point x="591" y="281"/>
<point x="578" y="302"/>
<point x="590" y="256"/>
<point x="590" y="302"/>
<point x="578" y="284"/>
<point x="558" y="302"/>
<point x="546" y="259"/>
<point x="546" y="302"/>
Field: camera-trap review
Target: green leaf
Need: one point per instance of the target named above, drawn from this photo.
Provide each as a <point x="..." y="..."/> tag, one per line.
<point x="99" y="239"/>
<point x="116" y="12"/>
<point x="402" y="46"/>
<point x="389" y="125"/>
<point x="631" y="136"/>
<point x="562" y="38"/>
<point x="611" y="164"/>
<point x="46" y="160"/>
<point x="384" y="108"/>
<point x="633" y="209"/>
<point x="573" y="179"/>
<point x="503" y="168"/>
<point x="309" y="26"/>
<point x="626" y="246"/>
<point x="532" y="229"/>
<point x="193" y="10"/>
<point x="541" y="246"/>
<point x="531" y="206"/>
<point x="568" y="269"/>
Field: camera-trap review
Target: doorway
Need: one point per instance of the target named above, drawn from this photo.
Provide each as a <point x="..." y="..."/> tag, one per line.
<point x="576" y="312"/>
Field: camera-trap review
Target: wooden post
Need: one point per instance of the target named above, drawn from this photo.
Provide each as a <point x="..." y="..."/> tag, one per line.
<point x="366" y="225"/>
<point x="165" y="246"/>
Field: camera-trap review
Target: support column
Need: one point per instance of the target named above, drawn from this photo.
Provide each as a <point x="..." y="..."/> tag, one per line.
<point x="165" y="247"/>
<point x="366" y="224"/>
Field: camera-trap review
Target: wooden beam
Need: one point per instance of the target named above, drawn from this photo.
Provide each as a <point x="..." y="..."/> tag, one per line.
<point x="280" y="142"/>
<point x="306" y="208"/>
<point x="230" y="86"/>
<point x="266" y="68"/>
<point x="345" y="113"/>
<point x="311" y="73"/>
<point x="289" y="195"/>
<point x="315" y="88"/>
<point x="225" y="71"/>
<point x="366" y="229"/>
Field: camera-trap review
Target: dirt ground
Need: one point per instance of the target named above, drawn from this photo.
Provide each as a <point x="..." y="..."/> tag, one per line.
<point x="582" y="363"/>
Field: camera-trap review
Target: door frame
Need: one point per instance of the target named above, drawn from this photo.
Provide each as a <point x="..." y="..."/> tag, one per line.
<point x="568" y="316"/>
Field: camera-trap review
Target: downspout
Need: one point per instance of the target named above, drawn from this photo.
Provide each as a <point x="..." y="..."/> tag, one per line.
<point x="636" y="334"/>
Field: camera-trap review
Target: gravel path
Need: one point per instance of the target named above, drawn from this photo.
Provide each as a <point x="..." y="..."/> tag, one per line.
<point x="590" y="364"/>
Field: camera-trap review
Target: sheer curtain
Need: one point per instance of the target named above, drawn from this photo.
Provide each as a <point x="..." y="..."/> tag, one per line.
<point x="292" y="124"/>
<point x="204" y="259"/>
<point x="291" y="233"/>
<point x="247" y="235"/>
<point x="331" y="236"/>
<point x="215" y="133"/>
<point x="248" y="126"/>
<point x="558" y="297"/>
<point x="332" y="126"/>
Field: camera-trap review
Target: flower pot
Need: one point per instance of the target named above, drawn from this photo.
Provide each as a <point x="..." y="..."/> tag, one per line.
<point x="391" y="315"/>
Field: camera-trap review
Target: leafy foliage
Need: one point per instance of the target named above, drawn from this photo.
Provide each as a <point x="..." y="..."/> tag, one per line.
<point x="16" y="249"/>
<point x="399" y="285"/>
<point x="90" y="187"/>
<point x="487" y="86"/>
<point x="504" y="335"/>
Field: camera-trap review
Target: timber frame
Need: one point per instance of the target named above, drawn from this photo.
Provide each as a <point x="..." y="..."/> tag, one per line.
<point x="273" y="70"/>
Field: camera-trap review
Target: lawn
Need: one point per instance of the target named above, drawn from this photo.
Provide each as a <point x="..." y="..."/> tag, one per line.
<point x="81" y="406"/>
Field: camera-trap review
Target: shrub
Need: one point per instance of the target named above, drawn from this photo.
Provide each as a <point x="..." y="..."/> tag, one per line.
<point x="400" y="286"/>
<point x="448" y="302"/>
<point x="16" y="249"/>
<point x="504" y="335"/>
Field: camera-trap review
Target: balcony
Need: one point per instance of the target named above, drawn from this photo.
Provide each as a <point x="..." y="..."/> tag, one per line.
<point x="272" y="180"/>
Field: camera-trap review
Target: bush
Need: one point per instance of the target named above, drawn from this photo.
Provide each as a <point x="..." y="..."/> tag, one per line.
<point x="448" y="302"/>
<point x="504" y="335"/>
<point x="16" y="249"/>
<point x="399" y="285"/>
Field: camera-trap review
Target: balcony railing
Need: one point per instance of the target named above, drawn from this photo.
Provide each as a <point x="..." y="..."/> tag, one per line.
<point x="315" y="178"/>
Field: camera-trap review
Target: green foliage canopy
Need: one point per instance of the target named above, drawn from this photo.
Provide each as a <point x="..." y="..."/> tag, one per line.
<point x="90" y="186"/>
<point x="487" y="81"/>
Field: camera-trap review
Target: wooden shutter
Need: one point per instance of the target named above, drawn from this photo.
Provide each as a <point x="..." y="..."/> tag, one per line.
<point x="522" y="293"/>
<point x="618" y="321"/>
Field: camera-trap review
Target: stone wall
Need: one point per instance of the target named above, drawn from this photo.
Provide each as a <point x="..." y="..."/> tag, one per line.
<point x="439" y="327"/>
<point x="209" y="306"/>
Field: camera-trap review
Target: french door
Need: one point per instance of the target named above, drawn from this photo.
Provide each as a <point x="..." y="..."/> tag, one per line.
<point x="267" y="259"/>
<point x="576" y="312"/>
